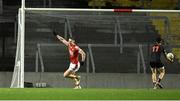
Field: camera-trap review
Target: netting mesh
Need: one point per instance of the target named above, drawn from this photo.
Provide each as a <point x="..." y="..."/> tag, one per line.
<point x="84" y="27"/>
<point x="111" y="39"/>
<point x="87" y="28"/>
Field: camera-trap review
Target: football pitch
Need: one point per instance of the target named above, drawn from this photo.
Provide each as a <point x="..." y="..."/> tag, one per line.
<point x="88" y="94"/>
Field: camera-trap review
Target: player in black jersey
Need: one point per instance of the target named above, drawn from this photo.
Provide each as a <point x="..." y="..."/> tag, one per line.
<point x="156" y="64"/>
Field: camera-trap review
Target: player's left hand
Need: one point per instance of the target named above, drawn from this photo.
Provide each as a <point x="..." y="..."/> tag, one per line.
<point x="82" y="63"/>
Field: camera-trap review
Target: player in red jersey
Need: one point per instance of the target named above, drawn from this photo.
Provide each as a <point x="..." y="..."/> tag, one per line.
<point x="156" y="64"/>
<point x="74" y="51"/>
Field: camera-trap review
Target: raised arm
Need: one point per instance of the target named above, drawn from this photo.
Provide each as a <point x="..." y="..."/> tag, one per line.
<point x="64" y="41"/>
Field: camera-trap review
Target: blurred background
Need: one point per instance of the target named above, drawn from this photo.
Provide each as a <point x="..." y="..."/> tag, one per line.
<point x="116" y="43"/>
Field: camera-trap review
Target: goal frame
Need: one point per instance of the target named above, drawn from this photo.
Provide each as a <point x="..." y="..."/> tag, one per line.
<point x="23" y="9"/>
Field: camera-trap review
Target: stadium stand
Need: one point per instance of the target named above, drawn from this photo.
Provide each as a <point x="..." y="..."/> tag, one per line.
<point x="163" y="4"/>
<point x="7" y="48"/>
<point x="130" y="32"/>
<point x="147" y="4"/>
<point x="7" y="41"/>
<point x="57" y="3"/>
<point x="109" y="60"/>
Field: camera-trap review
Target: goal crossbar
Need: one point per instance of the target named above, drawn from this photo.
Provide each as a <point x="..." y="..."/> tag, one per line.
<point x="103" y="10"/>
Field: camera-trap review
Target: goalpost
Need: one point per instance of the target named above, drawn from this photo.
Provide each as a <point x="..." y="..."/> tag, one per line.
<point x="18" y="74"/>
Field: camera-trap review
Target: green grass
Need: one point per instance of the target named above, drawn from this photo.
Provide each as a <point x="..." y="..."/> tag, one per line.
<point x="88" y="94"/>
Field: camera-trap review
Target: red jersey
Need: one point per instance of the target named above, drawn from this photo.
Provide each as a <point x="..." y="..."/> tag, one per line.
<point x="73" y="53"/>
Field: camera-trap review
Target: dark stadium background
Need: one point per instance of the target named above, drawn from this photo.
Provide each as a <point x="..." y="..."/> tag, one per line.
<point x="8" y="21"/>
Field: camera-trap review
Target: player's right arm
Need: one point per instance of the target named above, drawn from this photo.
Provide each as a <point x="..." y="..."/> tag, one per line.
<point x="64" y="41"/>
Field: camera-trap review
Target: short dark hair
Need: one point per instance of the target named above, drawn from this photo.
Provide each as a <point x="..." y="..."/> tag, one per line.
<point x="158" y="39"/>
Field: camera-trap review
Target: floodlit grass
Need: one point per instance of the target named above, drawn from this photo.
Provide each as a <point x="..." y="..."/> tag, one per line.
<point x="88" y="94"/>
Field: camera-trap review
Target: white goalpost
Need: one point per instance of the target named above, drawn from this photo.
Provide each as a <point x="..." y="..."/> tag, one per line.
<point x="18" y="74"/>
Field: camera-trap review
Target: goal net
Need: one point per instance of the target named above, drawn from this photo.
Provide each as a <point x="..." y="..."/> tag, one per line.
<point x="101" y="33"/>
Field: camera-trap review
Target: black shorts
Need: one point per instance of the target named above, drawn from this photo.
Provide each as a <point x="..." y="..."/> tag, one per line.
<point x="156" y="64"/>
